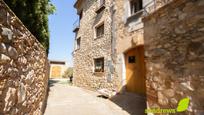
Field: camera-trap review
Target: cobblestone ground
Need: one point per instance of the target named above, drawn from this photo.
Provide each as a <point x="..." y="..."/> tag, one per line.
<point x="69" y="100"/>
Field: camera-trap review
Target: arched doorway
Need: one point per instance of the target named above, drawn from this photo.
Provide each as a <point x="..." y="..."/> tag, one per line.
<point x="135" y="70"/>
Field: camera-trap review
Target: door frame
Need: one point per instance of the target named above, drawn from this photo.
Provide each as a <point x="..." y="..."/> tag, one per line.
<point x="123" y="58"/>
<point x="124" y="66"/>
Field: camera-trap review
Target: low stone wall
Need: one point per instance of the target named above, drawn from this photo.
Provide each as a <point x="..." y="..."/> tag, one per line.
<point x="174" y="44"/>
<point x="23" y="68"/>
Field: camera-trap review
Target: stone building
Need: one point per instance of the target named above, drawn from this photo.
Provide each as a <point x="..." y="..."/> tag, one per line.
<point x="94" y="45"/>
<point x="107" y="35"/>
<point x="129" y="42"/>
<point x="150" y="47"/>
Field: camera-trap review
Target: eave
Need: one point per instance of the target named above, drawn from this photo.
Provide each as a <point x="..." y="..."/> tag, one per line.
<point x="78" y="4"/>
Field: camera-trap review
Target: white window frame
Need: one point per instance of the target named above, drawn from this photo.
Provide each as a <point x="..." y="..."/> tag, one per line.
<point x="131" y="10"/>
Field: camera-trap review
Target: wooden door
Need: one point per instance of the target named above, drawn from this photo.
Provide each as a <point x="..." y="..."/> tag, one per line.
<point x="135" y="70"/>
<point x="56" y="72"/>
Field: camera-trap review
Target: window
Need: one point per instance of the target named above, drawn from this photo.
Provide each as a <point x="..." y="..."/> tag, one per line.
<point x="78" y="43"/>
<point x="131" y="59"/>
<point x="81" y="15"/>
<point x="100" y="30"/>
<point x="135" y="6"/>
<point x="99" y="65"/>
<point x="101" y="6"/>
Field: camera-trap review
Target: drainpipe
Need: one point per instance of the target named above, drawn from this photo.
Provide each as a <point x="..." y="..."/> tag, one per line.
<point x="112" y="61"/>
<point x="113" y="32"/>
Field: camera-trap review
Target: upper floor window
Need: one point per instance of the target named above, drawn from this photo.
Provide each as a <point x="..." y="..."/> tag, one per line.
<point x="81" y="15"/>
<point x="101" y="6"/>
<point x="78" y="43"/>
<point x="100" y="30"/>
<point x="135" y="6"/>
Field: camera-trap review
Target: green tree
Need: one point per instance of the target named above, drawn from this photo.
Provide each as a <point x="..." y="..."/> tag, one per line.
<point x="68" y="73"/>
<point x="34" y="15"/>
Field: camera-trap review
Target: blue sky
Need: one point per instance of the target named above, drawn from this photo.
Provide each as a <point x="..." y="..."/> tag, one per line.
<point x="61" y="27"/>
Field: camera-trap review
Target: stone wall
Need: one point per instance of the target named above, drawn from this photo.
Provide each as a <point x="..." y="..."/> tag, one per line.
<point x="174" y="44"/>
<point x="93" y="47"/>
<point x="23" y="68"/>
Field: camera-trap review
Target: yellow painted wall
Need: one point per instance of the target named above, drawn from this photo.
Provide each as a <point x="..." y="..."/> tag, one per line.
<point x="56" y="72"/>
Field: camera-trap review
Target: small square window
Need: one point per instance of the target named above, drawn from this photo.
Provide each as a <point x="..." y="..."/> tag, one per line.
<point x="131" y="59"/>
<point x="100" y="30"/>
<point x="99" y="65"/>
<point x="135" y="6"/>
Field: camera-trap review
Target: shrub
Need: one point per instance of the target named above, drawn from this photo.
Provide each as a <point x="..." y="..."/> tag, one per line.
<point x="68" y="73"/>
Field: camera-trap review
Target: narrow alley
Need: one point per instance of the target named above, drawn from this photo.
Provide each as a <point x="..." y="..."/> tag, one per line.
<point x="65" y="99"/>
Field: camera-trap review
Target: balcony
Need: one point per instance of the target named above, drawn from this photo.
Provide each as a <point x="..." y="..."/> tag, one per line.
<point x="76" y="25"/>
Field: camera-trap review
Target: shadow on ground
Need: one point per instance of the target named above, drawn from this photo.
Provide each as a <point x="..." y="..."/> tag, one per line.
<point x="132" y="103"/>
<point x="52" y="82"/>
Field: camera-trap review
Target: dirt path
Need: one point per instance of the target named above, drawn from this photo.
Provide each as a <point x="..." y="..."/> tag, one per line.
<point x="69" y="100"/>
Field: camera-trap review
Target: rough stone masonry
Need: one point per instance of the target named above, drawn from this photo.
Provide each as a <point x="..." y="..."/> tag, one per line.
<point x="174" y="45"/>
<point x="23" y="67"/>
<point x="93" y="47"/>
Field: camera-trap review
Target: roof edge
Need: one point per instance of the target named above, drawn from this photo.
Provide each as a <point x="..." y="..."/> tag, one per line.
<point x="76" y="3"/>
